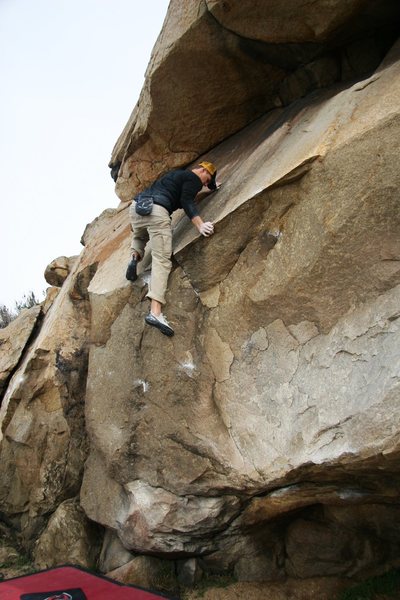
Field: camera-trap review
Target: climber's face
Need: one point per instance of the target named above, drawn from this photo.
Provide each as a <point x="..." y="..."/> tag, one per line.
<point x="205" y="176"/>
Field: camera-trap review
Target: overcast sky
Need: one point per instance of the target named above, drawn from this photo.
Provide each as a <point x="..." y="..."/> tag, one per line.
<point x="71" y="72"/>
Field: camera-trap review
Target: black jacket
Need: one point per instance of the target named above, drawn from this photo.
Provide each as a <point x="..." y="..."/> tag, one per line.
<point x="176" y="189"/>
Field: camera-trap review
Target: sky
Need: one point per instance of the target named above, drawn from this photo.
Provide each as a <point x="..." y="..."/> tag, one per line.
<point x="71" y="72"/>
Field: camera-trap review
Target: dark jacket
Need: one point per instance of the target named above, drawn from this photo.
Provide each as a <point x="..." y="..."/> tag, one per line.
<point x="176" y="189"/>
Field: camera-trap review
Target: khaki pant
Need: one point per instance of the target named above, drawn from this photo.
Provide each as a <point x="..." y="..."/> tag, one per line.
<point x="156" y="228"/>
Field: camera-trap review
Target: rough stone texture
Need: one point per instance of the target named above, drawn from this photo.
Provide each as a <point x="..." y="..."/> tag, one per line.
<point x="295" y="21"/>
<point x="51" y="295"/>
<point x="68" y="538"/>
<point x="319" y="73"/>
<point x="160" y="130"/>
<point x="233" y="61"/>
<point x="146" y="572"/>
<point x="44" y="442"/>
<point x="342" y="539"/>
<point x="113" y="553"/>
<point x="189" y="572"/>
<point x="262" y="440"/>
<point x="283" y="375"/>
<point x="13" y="340"/>
<point x="58" y="270"/>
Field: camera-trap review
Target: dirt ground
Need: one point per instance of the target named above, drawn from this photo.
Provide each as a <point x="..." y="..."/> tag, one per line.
<point x="323" y="588"/>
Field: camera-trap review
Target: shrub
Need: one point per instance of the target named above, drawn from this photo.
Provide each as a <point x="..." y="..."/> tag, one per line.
<point x="7" y="315"/>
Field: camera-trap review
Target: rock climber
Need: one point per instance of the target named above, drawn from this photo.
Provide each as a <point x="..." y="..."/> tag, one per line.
<point x="151" y="219"/>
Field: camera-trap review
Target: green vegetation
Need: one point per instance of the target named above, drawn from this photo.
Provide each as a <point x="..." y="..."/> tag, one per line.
<point x="17" y="562"/>
<point x="7" y="315"/>
<point x="165" y="580"/>
<point x="13" y="561"/>
<point x="387" y="585"/>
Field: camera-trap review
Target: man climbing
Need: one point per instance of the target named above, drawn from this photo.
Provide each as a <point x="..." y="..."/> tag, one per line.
<point x="176" y="189"/>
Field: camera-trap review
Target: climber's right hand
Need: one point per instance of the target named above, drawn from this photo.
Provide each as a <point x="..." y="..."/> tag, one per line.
<point x="206" y="229"/>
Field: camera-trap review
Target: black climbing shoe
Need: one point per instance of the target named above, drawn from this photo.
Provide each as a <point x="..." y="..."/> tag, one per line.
<point x="131" y="273"/>
<point x="160" y="322"/>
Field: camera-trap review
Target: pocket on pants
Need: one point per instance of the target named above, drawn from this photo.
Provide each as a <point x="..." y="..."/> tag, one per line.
<point x="167" y="243"/>
<point x="161" y="244"/>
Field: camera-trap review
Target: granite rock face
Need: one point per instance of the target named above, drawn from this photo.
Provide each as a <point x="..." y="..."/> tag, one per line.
<point x="68" y="538"/>
<point x="271" y="22"/>
<point x="13" y="340"/>
<point x="218" y="65"/>
<point x="261" y="440"/>
<point x="44" y="443"/>
<point x="144" y="571"/>
<point x="285" y="347"/>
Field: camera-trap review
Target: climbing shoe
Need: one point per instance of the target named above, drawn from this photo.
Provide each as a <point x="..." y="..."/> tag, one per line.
<point x="160" y="322"/>
<point x="131" y="272"/>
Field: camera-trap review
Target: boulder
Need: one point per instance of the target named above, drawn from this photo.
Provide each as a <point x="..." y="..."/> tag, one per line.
<point x="13" y="341"/>
<point x="113" y="554"/>
<point x="44" y="443"/>
<point x="194" y="54"/>
<point x="58" y="270"/>
<point x="68" y="538"/>
<point x="273" y="22"/>
<point x="233" y="62"/>
<point x="277" y="378"/>
<point x="51" y="295"/>
<point x="147" y="572"/>
<point x="261" y="441"/>
<point x="189" y="572"/>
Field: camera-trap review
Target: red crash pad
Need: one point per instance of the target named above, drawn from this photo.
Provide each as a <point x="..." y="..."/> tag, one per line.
<point x="71" y="583"/>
